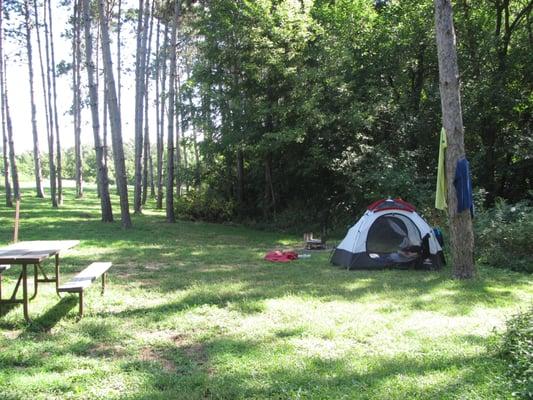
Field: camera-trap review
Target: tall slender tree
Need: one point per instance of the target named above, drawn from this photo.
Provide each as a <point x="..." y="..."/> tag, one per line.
<point x="461" y="232"/>
<point x="36" y="151"/>
<point x="11" y="142"/>
<point x="76" y="75"/>
<point x="147" y="157"/>
<point x="162" y="65"/>
<point x="140" y="67"/>
<point x="115" y="119"/>
<point x="102" y="173"/>
<point x="59" y="162"/>
<point x="51" y="130"/>
<point x="170" y="213"/>
<point x="7" y="165"/>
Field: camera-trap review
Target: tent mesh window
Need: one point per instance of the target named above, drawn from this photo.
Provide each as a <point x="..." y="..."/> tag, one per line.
<point x="391" y="233"/>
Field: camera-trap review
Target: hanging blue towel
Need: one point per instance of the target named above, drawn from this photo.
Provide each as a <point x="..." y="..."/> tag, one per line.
<point x="463" y="186"/>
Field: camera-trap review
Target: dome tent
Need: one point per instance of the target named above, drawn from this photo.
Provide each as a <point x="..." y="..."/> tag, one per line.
<point x="389" y="234"/>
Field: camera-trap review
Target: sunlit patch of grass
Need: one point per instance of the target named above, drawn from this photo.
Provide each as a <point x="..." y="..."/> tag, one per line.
<point x="193" y="311"/>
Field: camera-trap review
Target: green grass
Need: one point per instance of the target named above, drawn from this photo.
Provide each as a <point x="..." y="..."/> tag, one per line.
<point x="193" y="312"/>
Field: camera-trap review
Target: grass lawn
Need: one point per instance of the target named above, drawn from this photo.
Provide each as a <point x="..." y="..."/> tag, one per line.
<point x="193" y="312"/>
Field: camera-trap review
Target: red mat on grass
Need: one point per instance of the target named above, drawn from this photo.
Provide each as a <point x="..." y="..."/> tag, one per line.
<point x="281" y="256"/>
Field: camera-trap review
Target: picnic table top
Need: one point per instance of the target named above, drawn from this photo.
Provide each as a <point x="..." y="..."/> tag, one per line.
<point x="35" y="251"/>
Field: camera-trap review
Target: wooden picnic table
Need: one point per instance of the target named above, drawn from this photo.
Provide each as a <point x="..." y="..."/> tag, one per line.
<point x="32" y="253"/>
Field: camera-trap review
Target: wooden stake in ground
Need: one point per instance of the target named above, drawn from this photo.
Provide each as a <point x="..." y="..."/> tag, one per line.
<point x="16" y="229"/>
<point x="461" y="232"/>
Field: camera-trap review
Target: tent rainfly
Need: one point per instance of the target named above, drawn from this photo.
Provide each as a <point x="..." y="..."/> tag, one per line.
<point x="389" y="234"/>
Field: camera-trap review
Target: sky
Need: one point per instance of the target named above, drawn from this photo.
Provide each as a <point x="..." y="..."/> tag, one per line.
<point x="19" y="91"/>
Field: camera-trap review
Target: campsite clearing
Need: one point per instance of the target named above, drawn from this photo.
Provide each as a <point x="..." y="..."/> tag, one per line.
<point x="192" y="311"/>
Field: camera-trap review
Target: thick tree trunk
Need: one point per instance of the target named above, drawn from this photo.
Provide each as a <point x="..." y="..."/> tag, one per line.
<point x="461" y="232"/>
<point x="102" y="174"/>
<point x="115" y="120"/>
<point x="59" y="163"/>
<point x="170" y="214"/>
<point x="36" y="151"/>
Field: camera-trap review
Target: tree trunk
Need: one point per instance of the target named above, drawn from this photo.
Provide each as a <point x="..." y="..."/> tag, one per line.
<point x="160" y="138"/>
<point x="119" y="59"/>
<point x="116" y="125"/>
<point x="36" y="151"/>
<point x="102" y="173"/>
<point x="461" y="232"/>
<point x="56" y="117"/>
<point x="7" y="164"/>
<point x="146" y="151"/>
<point x="11" y="143"/>
<point x="140" y="67"/>
<point x="180" y="141"/>
<point x="270" y="198"/>
<point x="170" y="215"/>
<point x="76" y="60"/>
<point x="51" y="130"/>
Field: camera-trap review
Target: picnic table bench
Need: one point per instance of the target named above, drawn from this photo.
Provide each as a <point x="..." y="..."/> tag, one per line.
<point x="84" y="279"/>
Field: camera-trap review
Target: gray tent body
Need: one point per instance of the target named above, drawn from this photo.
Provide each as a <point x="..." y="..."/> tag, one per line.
<point x="379" y="240"/>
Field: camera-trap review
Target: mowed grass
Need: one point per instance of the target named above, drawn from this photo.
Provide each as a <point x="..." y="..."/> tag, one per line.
<point x="193" y="312"/>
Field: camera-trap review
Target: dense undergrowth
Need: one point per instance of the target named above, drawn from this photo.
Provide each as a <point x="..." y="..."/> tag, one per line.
<point x="516" y="348"/>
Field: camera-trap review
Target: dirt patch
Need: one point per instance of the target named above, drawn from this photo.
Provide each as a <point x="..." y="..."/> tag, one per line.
<point x="107" y="350"/>
<point x="149" y="354"/>
<point x="12" y="334"/>
<point x="196" y="352"/>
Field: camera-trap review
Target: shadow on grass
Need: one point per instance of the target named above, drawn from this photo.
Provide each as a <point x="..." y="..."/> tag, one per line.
<point x="406" y="375"/>
<point x="46" y="321"/>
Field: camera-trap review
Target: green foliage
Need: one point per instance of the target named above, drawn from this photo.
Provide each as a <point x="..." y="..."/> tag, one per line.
<point x="516" y="348"/>
<point x="503" y="236"/>
<point x="204" y="205"/>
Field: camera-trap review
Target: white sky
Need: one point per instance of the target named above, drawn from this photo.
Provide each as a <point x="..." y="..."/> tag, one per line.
<point x="19" y="93"/>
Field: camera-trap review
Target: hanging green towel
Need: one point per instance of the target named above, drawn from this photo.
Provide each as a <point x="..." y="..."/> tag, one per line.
<point x="440" y="198"/>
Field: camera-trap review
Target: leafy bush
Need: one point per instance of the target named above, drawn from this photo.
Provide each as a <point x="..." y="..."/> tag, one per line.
<point x="503" y="236"/>
<point x="203" y="204"/>
<point x="516" y="348"/>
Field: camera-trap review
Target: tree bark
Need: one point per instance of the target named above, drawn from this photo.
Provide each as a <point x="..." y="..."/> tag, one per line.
<point x="160" y="138"/>
<point x="115" y="120"/>
<point x="102" y="173"/>
<point x="170" y="214"/>
<point x="51" y="141"/>
<point x="11" y="143"/>
<point x="36" y="151"/>
<point x="59" y="163"/>
<point x="180" y="141"/>
<point x="461" y="232"/>
<point x="147" y="158"/>
<point x="7" y="164"/>
<point x="76" y="60"/>
<point x="140" y="79"/>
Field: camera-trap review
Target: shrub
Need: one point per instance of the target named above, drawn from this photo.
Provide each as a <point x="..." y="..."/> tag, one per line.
<point x="203" y="204"/>
<point x="503" y="236"/>
<point x="516" y="348"/>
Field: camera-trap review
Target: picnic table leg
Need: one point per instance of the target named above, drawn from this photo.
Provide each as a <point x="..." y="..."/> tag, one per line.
<point x="80" y="314"/>
<point x="25" y="291"/>
<point x="57" y="275"/>
<point x="35" y="281"/>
